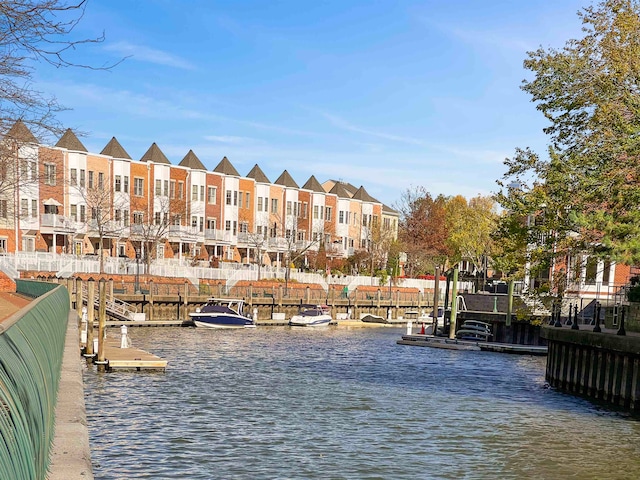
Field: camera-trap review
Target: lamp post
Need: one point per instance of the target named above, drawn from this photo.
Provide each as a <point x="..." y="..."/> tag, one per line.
<point x="393" y="273"/>
<point x="371" y="252"/>
<point x="137" y="282"/>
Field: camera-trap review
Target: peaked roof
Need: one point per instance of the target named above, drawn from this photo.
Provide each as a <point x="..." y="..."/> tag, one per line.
<point x="361" y="194"/>
<point x="258" y="175"/>
<point x="19" y="131"/>
<point x="340" y="190"/>
<point x="286" y="180"/>
<point x="71" y="142"/>
<point x="155" y="155"/>
<point x="314" y="185"/>
<point x="192" y="161"/>
<point x="388" y="210"/>
<point x="114" y="149"/>
<point x="226" y="168"/>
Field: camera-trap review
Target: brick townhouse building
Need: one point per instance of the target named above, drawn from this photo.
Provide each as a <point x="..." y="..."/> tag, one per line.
<point x="65" y="199"/>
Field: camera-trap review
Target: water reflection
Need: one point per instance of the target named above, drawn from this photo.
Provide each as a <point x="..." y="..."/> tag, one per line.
<point x="286" y="403"/>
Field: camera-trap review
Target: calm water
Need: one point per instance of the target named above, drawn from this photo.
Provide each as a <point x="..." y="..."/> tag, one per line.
<point x="281" y="403"/>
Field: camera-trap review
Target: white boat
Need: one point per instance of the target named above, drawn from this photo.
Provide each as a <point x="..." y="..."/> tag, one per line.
<point x="222" y="313"/>
<point x="440" y="318"/>
<point x="310" y="315"/>
<point x="426" y="320"/>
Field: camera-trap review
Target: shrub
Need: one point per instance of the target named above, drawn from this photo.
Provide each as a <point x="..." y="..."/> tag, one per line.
<point x="633" y="294"/>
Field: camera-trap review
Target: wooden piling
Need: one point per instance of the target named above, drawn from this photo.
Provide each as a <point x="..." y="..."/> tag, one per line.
<point x="436" y="299"/>
<point x="70" y="288"/>
<point x="91" y="295"/>
<point x="186" y="293"/>
<point x="509" y="303"/>
<point x="454" y="305"/>
<point x="79" y="296"/>
<point x="102" y="319"/>
<point x="151" y="306"/>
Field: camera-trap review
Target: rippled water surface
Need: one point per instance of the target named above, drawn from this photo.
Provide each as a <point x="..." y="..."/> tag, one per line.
<point x="336" y="403"/>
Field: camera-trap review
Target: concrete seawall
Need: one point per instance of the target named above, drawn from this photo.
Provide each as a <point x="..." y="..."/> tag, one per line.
<point x="71" y="453"/>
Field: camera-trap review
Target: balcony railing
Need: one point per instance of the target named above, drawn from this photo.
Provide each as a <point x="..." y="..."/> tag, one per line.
<point x="110" y="228"/>
<point x="180" y="232"/>
<point x="219" y="236"/>
<point x="56" y="222"/>
<point x="277" y="243"/>
<point x="250" y="239"/>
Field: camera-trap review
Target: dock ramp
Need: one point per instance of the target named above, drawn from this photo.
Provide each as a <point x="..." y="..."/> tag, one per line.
<point x="118" y="309"/>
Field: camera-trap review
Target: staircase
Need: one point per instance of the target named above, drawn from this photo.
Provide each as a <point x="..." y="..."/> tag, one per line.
<point x="8" y="269"/>
<point x="538" y="308"/>
<point x="117" y="309"/>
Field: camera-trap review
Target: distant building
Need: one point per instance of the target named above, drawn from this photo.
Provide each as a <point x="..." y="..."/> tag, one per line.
<point x="65" y="199"/>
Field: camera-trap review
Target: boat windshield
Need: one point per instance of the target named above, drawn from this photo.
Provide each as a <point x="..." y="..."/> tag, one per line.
<point x="223" y="306"/>
<point x="313" y="310"/>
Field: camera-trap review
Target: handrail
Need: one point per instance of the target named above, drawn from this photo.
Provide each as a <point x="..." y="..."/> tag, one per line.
<point x="9" y="270"/>
<point x="31" y="348"/>
<point x="113" y="305"/>
<point x="461" y="304"/>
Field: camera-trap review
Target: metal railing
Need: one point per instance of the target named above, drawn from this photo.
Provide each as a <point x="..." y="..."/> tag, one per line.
<point x="114" y="306"/>
<point x="65" y="265"/>
<point x="31" y="348"/>
<point x="461" y="304"/>
<point x="52" y="220"/>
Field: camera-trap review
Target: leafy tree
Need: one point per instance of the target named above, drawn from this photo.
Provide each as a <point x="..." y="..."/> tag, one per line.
<point x="259" y="243"/>
<point x="423" y="230"/>
<point x="584" y="195"/>
<point x="101" y="204"/>
<point x="378" y="243"/>
<point x="153" y="223"/>
<point x="35" y="31"/>
<point x="470" y="226"/>
<point x="296" y="242"/>
<point x="19" y="174"/>
<point x="31" y="32"/>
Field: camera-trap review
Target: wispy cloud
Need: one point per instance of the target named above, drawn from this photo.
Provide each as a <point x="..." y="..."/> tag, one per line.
<point x="345" y="125"/>
<point x="479" y="155"/>
<point x="495" y="39"/>
<point x="229" y="139"/>
<point x="150" y="55"/>
<point x="492" y="39"/>
<point x="123" y="101"/>
<point x="173" y="106"/>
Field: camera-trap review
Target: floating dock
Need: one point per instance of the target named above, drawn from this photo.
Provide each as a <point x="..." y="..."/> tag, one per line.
<point x="419" y="340"/>
<point x="147" y="323"/>
<point x="117" y="358"/>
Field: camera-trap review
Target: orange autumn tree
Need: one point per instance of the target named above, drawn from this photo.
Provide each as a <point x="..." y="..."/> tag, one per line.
<point x="423" y="231"/>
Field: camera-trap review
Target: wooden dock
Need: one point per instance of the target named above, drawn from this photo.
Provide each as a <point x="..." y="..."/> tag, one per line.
<point x="419" y="340"/>
<point x="147" y="323"/>
<point x="130" y="358"/>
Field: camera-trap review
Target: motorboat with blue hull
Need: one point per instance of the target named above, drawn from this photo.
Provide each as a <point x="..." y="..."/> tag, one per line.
<point x="311" y="316"/>
<point x="222" y="313"/>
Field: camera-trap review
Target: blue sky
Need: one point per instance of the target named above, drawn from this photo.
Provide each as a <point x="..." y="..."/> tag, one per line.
<point x="390" y="95"/>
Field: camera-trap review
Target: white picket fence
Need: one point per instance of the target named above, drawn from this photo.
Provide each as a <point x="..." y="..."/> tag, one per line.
<point x="64" y="266"/>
